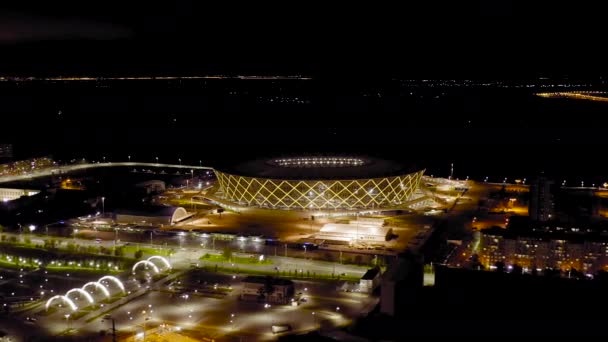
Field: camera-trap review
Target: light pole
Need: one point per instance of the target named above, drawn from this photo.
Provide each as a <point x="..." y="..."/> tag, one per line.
<point x="67" y="321"/>
<point x="286" y="250"/>
<point x="180" y="161"/>
<point x="151" y="238"/>
<point x="113" y="328"/>
<point x="143" y="312"/>
<point x="103" y="206"/>
<point x="115" y="237"/>
<point x="156" y="160"/>
<point x="129" y="158"/>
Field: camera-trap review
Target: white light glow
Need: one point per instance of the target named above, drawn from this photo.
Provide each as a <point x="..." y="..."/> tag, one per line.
<point x="113" y="279"/>
<point x="164" y="260"/>
<point x="64" y="299"/>
<point x="145" y="263"/>
<point x="83" y="292"/>
<point x="98" y="286"/>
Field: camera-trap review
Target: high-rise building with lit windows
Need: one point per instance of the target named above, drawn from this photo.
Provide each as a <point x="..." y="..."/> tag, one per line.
<point x="541" y="200"/>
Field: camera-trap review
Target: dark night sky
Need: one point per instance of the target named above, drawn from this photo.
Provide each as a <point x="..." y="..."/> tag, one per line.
<point x="342" y="44"/>
<point x="425" y="39"/>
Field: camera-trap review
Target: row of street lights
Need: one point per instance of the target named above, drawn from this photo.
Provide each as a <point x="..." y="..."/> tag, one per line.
<point x="200" y="162"/>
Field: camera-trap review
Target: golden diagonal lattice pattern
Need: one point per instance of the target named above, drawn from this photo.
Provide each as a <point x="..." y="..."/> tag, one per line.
<point x="319" y="194"/>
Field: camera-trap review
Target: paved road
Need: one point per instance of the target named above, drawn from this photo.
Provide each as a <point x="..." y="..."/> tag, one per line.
<point x="184" y="257"/>
<point x="70" y="168"/>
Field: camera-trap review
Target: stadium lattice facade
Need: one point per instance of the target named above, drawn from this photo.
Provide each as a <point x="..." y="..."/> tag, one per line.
<point x="318" y="194"/>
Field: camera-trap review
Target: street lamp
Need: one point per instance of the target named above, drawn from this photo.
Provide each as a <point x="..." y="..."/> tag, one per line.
<point x="103" y="206"/>
<point x="180" y="161"/>
<point x="156" y="160"/>
<point x="115" y="236"/>
<point x="129" y="158"/>
<point x="113" y="327"/>
<point x="67" y="321"/>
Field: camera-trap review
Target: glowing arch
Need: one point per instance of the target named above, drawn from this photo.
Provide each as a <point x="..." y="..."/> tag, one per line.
<point x="164" y="260"/>
<point x="98" y="286"/>
<point x="83" y="292"/>
<point x="147" y="263"/>
<point x="64" y="299"/>
<point x="114" y="280"/>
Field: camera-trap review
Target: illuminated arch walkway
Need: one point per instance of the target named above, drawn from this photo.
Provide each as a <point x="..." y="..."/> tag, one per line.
<point x="149" y="263"/>
<point x="105" y="289"/>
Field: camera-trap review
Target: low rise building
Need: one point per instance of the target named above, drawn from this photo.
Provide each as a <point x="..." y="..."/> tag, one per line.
<point x="151" y="215"/>
<point x="544" y="247"/>
<point x="355" y="232"/>
<point x="268" y="289"/>
<point x="370" y="280"/>
<point x="154" y="186"/>
<point x="7" y="194"/>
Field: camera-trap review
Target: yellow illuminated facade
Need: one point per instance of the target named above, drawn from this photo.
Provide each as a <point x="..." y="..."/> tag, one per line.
<point x="600" y="96"/>
<point x="319" y="194"/>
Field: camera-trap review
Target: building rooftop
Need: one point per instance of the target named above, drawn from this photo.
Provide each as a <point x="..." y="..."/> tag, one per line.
<point x="264" y="280"/>
<point x="570" y="234"/>
<point x="319" y="168"/>
<point x="371" y="273"/>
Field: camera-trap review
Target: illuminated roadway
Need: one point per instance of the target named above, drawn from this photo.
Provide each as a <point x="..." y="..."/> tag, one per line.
<point x="70" y="168"/>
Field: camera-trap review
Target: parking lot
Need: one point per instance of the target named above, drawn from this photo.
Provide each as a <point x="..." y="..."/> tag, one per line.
<point x="207" y="305"/>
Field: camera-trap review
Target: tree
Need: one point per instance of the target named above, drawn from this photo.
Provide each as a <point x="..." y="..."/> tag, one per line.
<point x="227" y="253"/>
<point x="138" y="254"/>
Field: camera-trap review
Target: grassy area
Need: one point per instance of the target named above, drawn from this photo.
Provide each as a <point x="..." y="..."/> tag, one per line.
<point x="105" y="312"/>
<point x="11" y="265"/>
<point x="130" y="250"/>
<point x="280" y="274"/>
<point x="85" y="270"/>
<point x="236" y="260"/>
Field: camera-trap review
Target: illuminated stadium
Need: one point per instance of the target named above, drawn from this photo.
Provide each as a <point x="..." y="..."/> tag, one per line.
<point x="319" y="183"/>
